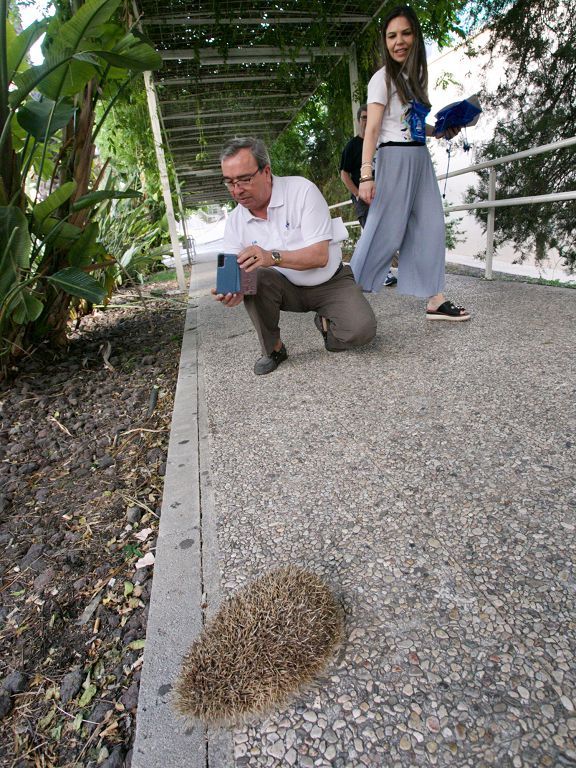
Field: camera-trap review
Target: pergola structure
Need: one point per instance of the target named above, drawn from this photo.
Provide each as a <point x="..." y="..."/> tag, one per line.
<point x="236" y="68"/>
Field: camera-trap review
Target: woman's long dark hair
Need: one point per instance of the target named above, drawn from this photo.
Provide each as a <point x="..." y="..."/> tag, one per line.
<point x="410" y="77"/>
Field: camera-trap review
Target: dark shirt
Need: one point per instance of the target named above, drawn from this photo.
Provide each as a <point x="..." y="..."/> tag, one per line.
<point x="351" y="159"/>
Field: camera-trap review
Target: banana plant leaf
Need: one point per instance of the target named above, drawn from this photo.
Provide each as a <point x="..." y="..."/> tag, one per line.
<point x="92" y="198"/>
<point x="25" y="307"/>
<point x="42" y="119"/>
<point x="15" y="247"/>
<point x="47" y="207"/>
<point x="63" y="73"/>
<point x="78" y="283"/>
<point x="86" y="249"/>
<point x="19" y="45"/>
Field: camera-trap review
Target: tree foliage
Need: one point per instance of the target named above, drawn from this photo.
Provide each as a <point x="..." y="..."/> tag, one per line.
<point x="49" y="182"/>
<point x="312" y="145"/>
<point x="537" y="98"/>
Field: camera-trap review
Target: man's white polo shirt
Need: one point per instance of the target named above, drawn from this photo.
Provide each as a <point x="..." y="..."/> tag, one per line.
<point x="298" y="216"/>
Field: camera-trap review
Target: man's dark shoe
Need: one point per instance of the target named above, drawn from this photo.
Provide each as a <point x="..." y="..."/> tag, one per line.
<point x="271" y="362"/>
<point x="390" y="280"/>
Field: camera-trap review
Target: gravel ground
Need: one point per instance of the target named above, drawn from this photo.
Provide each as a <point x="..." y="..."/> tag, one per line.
<point x="83" y="441"/>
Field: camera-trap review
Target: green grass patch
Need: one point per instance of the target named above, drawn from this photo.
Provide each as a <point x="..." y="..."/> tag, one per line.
<point x="161" y="277"/>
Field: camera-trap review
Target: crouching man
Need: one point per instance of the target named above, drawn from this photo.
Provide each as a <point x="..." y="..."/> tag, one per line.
<point x="282" y="228"/>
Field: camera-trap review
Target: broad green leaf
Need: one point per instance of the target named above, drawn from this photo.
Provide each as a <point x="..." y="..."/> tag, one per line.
<point x="89" y="693"/>
<point x="15" y="247"/>
<point x="78" y="283"/>
<point x="27" y="307"/>
<point x="140" y="57"/>
<point x="56" y="231"/>
<point x="57" y="77"/>
<point x="92" y="198"/>
<point x="47" y="207"/>
<point x="86" y="248"/>
<point x="83" y="25"/>
<point x="35" y="116"/>
<point x="45" y="721"/>
<point x="137" y="645"/>
<point x="19" y="45"/>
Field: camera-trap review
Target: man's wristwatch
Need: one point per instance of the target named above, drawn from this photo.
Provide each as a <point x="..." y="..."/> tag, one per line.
<point x="276" y="258"/>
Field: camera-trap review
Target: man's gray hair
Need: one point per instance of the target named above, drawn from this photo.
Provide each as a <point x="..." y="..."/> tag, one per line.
<point x="256" y="146"/>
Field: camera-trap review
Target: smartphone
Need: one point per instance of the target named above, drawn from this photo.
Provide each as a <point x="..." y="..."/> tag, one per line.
<point x="231" y="279"/>
<point x="227" y="274"/>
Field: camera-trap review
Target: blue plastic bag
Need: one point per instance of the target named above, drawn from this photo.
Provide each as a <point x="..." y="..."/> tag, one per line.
<point x="458" y="114"/>
<point x="417" y="120"/>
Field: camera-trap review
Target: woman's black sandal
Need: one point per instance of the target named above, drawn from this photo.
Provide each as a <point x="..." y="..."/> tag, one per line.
<point x="448" y="311"/>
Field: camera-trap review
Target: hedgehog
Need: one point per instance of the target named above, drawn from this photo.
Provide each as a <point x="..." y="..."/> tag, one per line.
<point x="266" y="643"/>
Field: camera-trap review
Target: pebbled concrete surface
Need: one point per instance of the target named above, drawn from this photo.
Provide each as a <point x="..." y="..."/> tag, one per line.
<point x="429" y="478"/>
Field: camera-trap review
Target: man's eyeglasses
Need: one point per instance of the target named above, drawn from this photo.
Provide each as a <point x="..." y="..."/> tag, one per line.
<point x="363" y="117"/>
<point x="241" y="181"/>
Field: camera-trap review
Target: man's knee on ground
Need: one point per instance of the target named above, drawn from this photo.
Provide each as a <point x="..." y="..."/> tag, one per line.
<point x="354" y="335"/>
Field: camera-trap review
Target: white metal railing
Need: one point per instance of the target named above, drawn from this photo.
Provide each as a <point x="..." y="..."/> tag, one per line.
<point x="492" y="203"/>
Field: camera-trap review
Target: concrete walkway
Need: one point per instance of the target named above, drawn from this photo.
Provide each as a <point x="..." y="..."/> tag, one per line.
<point x="430" y="479"/>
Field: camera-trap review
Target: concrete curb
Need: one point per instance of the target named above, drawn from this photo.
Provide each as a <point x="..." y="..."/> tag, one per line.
<point x="186" y="576"/>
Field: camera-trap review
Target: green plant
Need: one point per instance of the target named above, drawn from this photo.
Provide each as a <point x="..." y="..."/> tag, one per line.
<point x="50" y="249"/>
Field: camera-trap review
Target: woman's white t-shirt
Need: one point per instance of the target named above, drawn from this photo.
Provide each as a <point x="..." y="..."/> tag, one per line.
<point x="395" y="125"/>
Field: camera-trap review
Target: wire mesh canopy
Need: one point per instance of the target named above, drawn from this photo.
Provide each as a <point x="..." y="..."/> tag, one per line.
<point x="238" y="68"/>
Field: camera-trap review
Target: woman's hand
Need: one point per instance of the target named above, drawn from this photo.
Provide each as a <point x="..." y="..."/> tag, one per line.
<point x="366" y="191"/>
<point x="449" y="133"/>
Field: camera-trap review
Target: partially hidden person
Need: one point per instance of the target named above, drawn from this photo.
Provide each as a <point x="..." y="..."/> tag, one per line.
<point x="406" y="213"/>
<point x="350" y="162"/>
<point x="282" y="229"/>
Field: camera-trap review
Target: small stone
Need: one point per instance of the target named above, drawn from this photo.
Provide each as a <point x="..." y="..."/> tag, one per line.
<point x="291" y="756"/>
<point x="566" y="703"/>
<point x="405" y="743"/>
<point x="42" y="581"/>
<point x="433" y="724"/>
<point x="15" y="682"/>
<point x="330" y="752"/>
<point x="548" y="711"/>
<point x="432" y="747"/>
<point x="310" y="716"/>
<point x="70" y="685"/>
<point x="277" y="749"/>
<point x="130" y="698"/>
<point x="523" y="692"/>
<point x="134" y="514"/>
<point x="6" y="704"/>
<point x="115" y="760"/>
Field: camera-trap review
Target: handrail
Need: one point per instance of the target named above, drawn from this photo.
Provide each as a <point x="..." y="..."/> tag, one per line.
<point x="509" y="158"/>
<point x="491" y="204"/>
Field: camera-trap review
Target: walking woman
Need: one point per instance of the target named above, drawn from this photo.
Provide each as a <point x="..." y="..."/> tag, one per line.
<point x="406" y="213"/>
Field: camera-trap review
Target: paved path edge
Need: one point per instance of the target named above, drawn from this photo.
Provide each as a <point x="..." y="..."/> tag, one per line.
<point x="186" y="576"/>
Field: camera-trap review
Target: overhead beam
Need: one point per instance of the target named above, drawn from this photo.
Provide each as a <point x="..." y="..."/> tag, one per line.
<point x="264" y="76"/>
<point x="219" y="113"/>
<point x="260" y="54"/>
<point x="272" y="21"/>
<point x="191" y="129"/>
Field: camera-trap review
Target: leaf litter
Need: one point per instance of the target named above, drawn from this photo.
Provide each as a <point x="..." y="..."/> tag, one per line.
<point x="82" y="460"/>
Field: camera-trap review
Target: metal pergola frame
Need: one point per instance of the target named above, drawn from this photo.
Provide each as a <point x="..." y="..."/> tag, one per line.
<point x="235" y="68"/>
